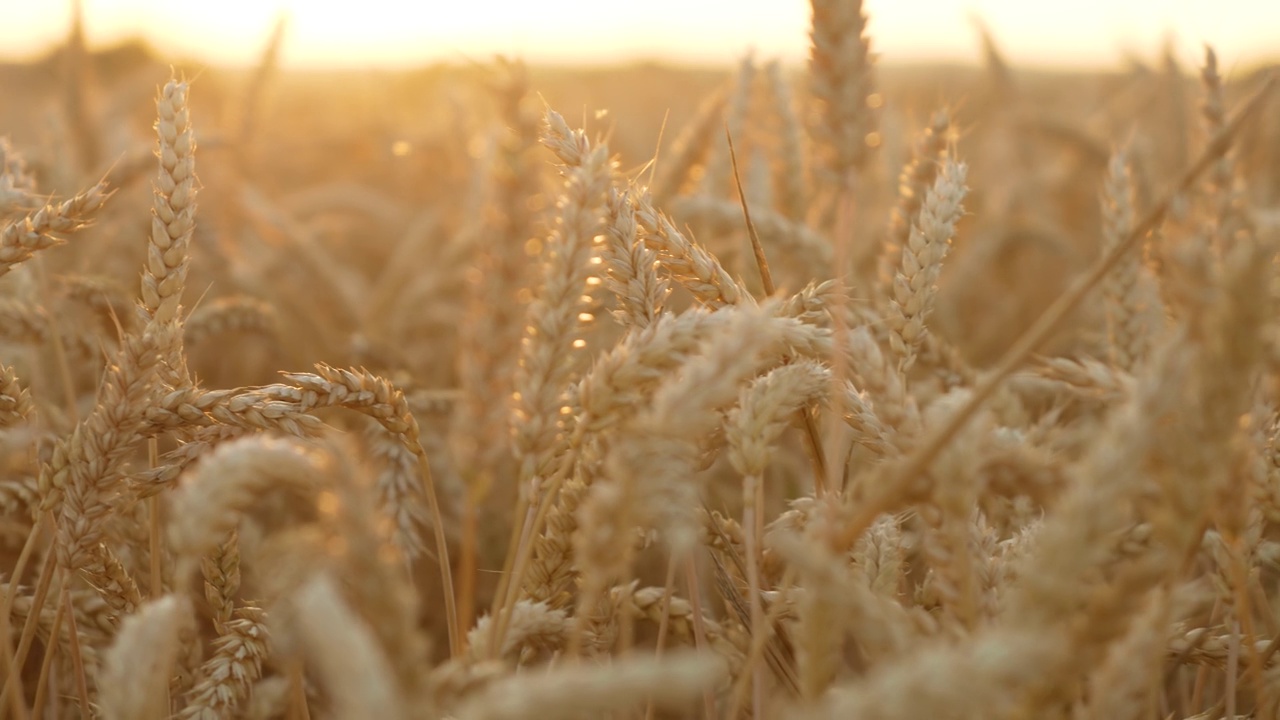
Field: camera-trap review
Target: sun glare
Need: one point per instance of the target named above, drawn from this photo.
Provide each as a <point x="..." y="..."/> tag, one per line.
<point x="392" y="33"/>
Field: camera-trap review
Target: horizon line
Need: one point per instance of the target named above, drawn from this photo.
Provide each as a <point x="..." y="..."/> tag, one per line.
<point x="1120" y="60"/>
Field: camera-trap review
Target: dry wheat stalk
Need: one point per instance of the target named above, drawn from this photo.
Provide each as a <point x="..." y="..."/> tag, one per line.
<point x="764" y="408"/>
<point x="551" y="339"/>
<point x="879" y="555"/>
<point x="381" y="400"/>
<point x="489" y="339"/>
<point x="891" y="492"/>
<point x="946" y="680"/>
<point x="689" y="264"/>
<point x="24" y="321"/>
<point x="1220" y="183"/>
<point x="267" y="67"/>
<point x="653" y="604"/>
<point x="353" y="670"/>
<point x="830" y="602"/>
<point x="684" y="408"/>
<point x="812" y="303"/>
<point x="19" y="497"/>
<point x="103" y="296"/>
<point x="270" y="407"/>
<point x="716" y="170"/>
<point x="399" y="489"/>
<point x="1128" y="292"/>
<point x="17" y="185"/>
<point x="877" y="406"/>
<point x="791" y="172"/>
<point x="757" y="179"/>
<point x="1079" y="536"/>
<point x="235" y="314"/>
<point x="553" y="568"/>
<point x="541" y="413"/>
<point x="760" y="418"/>
<point x="362" y="544"/>
<point x="353" y="389"/>
<point x="1126" y="683"/>
<point x="870" y="430"/>
<point x="1087" y="377"/>
<point x="81" y="477"/>
<point x="574" y="691"/>
<point x="536" y="630"/>
<point x="918" y="175"/>
<point x="22" y="238"/>
<point x="15" y="400"/>
<point x="1096" y="540"/>
<point x="689" y="147"/>
<point x="227" y="482"/>
<point x="631" y="268"/>
<point x="30" y="324"/>
<point x="95" y="622"/>
<point x="806" y="250"/>
<point x="624" y="375"/>
<point x="603" y="536"/>
<point x="664" y="450"/>
<point x="1219" y="332"/>
<point x="915" y="285"/>
<point x="841" y="80"/>
<point x="174" y="209"/>
<point x="226" y="678"/>
<point x="172" y="464"/>
<point x="948" y="549"/>
<point x="136" y="667"/>
<point x="221" y="570"/>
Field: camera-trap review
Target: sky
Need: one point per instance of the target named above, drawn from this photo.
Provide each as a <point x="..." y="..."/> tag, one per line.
<point x="403" y="33"/>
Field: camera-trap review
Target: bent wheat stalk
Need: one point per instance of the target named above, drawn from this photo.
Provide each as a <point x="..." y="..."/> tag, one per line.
<point x="898" y="480"/>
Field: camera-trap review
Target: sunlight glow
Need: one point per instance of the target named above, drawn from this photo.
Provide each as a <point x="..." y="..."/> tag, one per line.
<point x="394" y="33"/>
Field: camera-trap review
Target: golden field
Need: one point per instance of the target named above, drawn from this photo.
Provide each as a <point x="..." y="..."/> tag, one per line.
<point x="844" y="390"/>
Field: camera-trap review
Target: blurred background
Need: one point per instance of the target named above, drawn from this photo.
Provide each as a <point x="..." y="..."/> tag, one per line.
<point x="395" y="34"/>
<point x="372" y="191"/>
<point x="368" y="126"/>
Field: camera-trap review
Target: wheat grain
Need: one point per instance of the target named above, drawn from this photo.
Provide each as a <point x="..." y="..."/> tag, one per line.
<point x="842" y="80"/>
<point x="228" y="315"/>
<point x="589" y="406"/>
<point x="174" y="209"/>
<point x="228" y="481"/>
<point x="227" y="678"/>
<point x="917" y="176"/>
<point x="352" y="668"/>
<point x="569" y="693"/>
<point x="914" y="286"/>
<point x="1128" y="292"/>
<point x="136" y="667"/>
<point x="631" y="267"/>
<point x="45" y="228"/>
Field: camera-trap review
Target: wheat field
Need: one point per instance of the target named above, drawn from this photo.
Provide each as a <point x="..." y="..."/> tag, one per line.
<point x="846" y="390"/>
